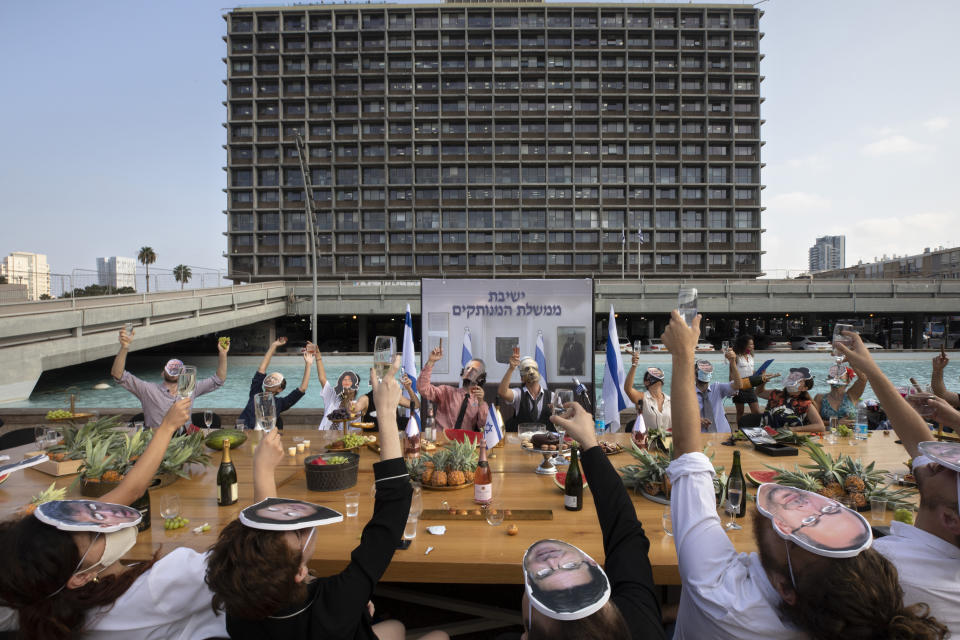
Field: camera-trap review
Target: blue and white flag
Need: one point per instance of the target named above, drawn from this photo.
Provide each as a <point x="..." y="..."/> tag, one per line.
<point x="541" y="360"/>
<point x="639" y="236"/>
<point x="410" y="368"/>
<point x="613" y="400"/>
<point x="493" y="429"/>
<point x="466" y="353"/>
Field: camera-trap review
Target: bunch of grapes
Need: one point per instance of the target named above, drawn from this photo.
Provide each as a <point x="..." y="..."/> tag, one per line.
<point x="175" y="523"/>
<point x="59" y="413"/>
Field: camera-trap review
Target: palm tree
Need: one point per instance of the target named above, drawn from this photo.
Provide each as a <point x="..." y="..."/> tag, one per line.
<point x="182" y="274"/>
<point x="147" y="257"/>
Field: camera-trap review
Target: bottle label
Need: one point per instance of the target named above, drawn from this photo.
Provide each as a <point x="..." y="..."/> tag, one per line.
<point x="229" y="494"/>
<point x="482" y="493"/>
<point x="571" y="501"/>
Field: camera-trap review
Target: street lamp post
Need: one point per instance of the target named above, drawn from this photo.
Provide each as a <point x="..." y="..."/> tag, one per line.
<point x="308" y="203"/>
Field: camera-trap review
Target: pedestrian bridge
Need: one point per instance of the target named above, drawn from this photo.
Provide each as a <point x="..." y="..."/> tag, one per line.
<point x="41" y="336"/>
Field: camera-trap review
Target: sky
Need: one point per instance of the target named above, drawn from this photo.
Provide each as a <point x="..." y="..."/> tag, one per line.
<point x="112" y="129"/>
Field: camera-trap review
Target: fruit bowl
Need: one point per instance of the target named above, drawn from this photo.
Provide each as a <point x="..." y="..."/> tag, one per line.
<point x="331" y="477"/>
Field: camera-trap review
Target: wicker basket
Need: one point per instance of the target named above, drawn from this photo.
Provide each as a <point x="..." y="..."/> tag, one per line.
<point x="335" y="477"/>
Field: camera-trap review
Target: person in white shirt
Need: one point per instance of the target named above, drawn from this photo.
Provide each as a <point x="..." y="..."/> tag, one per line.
<point x="653" y="404"/>
<point x="67" y="584"/>
<point x="926" y="554"/>
<point x="710" y="395"/>
<point x="785" y="591"/>
<point x="332" y="394"/>
<point x="743" y="347"/>
<point x="529" y="402"/>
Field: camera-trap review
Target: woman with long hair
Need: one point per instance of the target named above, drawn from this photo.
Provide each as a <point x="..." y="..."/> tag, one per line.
<point x="70" y="584"/>
<point x="743" y="347"/>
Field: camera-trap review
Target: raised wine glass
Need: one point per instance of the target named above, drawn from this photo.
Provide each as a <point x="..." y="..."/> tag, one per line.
<point x="687" y="304"/>
<point x="384" y="351"/>
<point x="839" y="338"/>
<point x="187" y="382"/>
<point x="732" y="505"/>
<point x="266" y="411"/>
<point x="560" y="398"/>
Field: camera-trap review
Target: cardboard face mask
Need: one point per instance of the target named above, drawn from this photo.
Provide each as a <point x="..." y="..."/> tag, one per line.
<point x="282" y="514"/>
<point x="946" y="454"/>
<point x="704" y="371"/>
<point x="562" y="582"/>
<point x="814" y="522"/>
<point x="653" y="376"/>
<point x="87" y="515"/>
<point x="529" y="371"/>
<point x="838" y="376"/>
<point x="795" y="381"/>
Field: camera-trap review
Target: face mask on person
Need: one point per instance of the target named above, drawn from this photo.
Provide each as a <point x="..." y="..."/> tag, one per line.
<point x="704" y="372"/>
<point x="529" y="372"/>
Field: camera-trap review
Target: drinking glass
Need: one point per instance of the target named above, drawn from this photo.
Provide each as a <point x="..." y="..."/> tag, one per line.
<point x="724" y="346"/>
<point x="667" y="520"/>
<point x="208" y="418"/>
<point x="187" y="382"/>
<point x="410" y="531"/>
<point x="266" y="410"/>
<point x="687" y="304"/>
<point x="878" y="510"/>
<point x="352" y="500"/>
<point x="138" y="425"/>
<point x="494" y="514"/>
<point x="169" y="506"/>
<point x="919" y="399"/>
<point x="416" y="502"/>
<point x="637" y="346"/>
<point x="561" y="397"/>
<point x="384" y="351"/>
<point x="831" y="435"/>
<point x="52" y="436"/>
<point x="241" y="424"/>
<point x="40" y="437"/>
<point x="732" y="505"/>
<point x="128" y="328"/>
<point x="839" y="338"/>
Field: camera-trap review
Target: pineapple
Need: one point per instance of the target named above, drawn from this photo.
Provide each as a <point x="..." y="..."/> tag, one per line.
<point x="463" y="463"/>
<point x="797" y="478"/>
<point x="827" y="471"/>
<point x="49" y="494"/>
<point x="440" y="461"/>
<point x="426" y="475"/>
<point x="856" y="476"/>
<point x="96" y="460"/>
<point x="415" y="467"/>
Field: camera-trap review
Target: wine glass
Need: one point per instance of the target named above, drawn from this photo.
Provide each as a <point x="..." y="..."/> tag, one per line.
<point x="187" y="382"/>
<point x="40" y="437"/>
<point x="732" y="505"/>
<point x="266" y="410"/>
<point x="839" y="338"/>
<point x="560" y="398"/>
<point x="208" y="418"/>
<point x="687" y="304"/>
<point x="384" y="351"/>
<point x="169" y="506"/>
<point x="416" y="502"/>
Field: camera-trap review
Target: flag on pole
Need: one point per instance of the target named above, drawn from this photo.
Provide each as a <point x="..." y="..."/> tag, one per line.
<point x="466" y="353"/>
<point x="541" y="359"/>
<point x="409" y="365"/>
<point x="639" y="236"/>
<point x="639" y="426"/>
<point x="613" y="378"/>
<point x="493" y="429"/>
<point x="623" y="236"/>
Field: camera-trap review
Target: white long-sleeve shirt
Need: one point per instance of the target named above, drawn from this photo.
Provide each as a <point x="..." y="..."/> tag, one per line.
<point x="725" y="594"/>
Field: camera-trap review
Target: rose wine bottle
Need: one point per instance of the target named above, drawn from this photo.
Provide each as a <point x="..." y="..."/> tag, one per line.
<point x="573" y="485"/>
<point x="482" y="478"/>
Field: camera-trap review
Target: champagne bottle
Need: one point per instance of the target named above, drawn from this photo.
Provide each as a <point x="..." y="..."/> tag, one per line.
<point x="482" y="478"/>
<point x="737" y="473"/>
<point x="226" y="479"/>
<point x="142" y="504"/>
<point x="573" y="486"/>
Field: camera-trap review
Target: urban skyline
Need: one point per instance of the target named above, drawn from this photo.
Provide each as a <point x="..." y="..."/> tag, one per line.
<point x="139" y="149"/>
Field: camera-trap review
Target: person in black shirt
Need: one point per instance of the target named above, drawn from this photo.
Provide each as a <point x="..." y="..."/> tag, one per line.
<point x="367" y="408"/>
<point x="530" y="402"/>
<point x="633" y="612"/>
<point x="261" y="579"/>
<point x="275" y="384"/>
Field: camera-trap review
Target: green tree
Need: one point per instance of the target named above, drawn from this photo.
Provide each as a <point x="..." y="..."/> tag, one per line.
<point x="46" y="296"/>
<point x="182" y="274"/>
<point x="3" y="280"/>
<point x="147" y="257"/>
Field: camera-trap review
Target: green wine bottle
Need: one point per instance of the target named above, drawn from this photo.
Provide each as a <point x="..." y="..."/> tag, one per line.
<point x="226" y="479"/>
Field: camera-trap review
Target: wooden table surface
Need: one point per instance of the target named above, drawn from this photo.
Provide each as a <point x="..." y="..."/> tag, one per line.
<point x="470" y="551"/>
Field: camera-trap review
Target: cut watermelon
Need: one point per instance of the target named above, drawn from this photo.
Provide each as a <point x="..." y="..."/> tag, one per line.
<point x="560" y="478"/>
<point x="757" y="478"/>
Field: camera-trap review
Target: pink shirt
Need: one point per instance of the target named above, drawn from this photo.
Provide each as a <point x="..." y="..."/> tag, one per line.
<point x="447" y="401"/>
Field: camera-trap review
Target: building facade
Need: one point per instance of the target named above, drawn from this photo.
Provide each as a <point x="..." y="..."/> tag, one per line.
<point x="939" y="263"/>
<point x="829" y="252"/>
<point x="30" y="269"/>
<point x="497" y="139"/>
<point x="117" y="272"/>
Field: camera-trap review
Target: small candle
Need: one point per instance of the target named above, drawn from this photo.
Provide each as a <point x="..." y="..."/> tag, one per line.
<point x="300" y="447"/>
<point x="292" y="451"/>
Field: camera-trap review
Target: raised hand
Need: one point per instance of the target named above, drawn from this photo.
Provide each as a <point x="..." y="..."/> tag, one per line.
<point x="515" y="358"/>
<point x="944" y="413"/>
<point x="678" y="337"/>
<point x="308" y="356"/>
<point x="279" y="342"/>
<point x="940" y="362"/>
<point x="730" y="355"/>
<point x="386" y="392"/>
<point x="178" y="414"/>
<point x="635" y="358"/>
<point x="857" y="355"/>
<point x="269" y="452"/>
<point x="578" y="423"/>
<point x="436" y="354"/>
<point x="126" y="338"/>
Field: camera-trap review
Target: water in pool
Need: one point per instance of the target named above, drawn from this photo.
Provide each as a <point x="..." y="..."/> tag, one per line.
<point x="52" y="390"/>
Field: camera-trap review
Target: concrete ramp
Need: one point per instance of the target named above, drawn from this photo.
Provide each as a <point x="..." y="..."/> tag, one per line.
<point x="40" y="336"/>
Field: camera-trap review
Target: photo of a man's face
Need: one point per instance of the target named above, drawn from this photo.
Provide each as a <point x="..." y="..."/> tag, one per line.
<point x="947" y="453"/>
<point x="282" y="514"/>
<point x="78" y="515"/>
<point x="815" y="522"/>
<point x="562" y="581"/>
<point x="554" y="564"/>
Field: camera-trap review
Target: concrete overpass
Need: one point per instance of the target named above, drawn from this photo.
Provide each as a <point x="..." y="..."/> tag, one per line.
<point x="40" y="336"/>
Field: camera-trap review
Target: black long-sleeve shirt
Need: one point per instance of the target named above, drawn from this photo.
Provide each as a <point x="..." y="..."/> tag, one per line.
<point x="283" y="402"/>
<point x="626" y="548"/>
<point x="336" y="606"/>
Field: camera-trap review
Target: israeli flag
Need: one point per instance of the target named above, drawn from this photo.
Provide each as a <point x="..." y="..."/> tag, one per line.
<point x="493" y="429"/>
<point x="613" y="400"/>
<point x="639" y="236"/>
<point x="466" y="353"/>
<point x="541" y="360"/>
<point x="410" y="368"/>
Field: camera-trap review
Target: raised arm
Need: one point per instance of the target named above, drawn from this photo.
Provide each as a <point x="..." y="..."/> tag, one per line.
<point x="855" y="392"/>
<point x="940" y="363"/>
<point x="321" y="372"/>
<point x="411" y="401"/>
<point x="386" y="395"/>
<point x="120" y="362"/>
<point x="308" y="360"/>
<point x="266" y="457"/>
<point x="681" y="341"/>
<point x="908" y="424"/>
<point x="424" y="386"/>
<point x="138" y="479"/>
<point x="504" y="390"/>
<point x="731" y="357"/>
<point x="222" y="361"/>
<point x="635" y="395"/>
<point x="276" y="344"/>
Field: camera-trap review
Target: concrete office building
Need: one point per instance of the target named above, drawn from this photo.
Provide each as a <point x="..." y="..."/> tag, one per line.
<point x="941" y="263"/>
<point x="829" y="252"/>
<point x="507" y="139"/>
<point x="117" y="272"/>
<point x="30" y="269"/>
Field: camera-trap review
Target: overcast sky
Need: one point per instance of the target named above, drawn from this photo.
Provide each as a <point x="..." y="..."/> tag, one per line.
<point x="112" y="129"/>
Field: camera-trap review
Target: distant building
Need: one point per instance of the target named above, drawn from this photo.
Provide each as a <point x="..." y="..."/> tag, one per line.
<point x="829" y="252"/>
<point x="117" y="272"/>
<point x="936" y="263"/>
<point x="30" y="269"/>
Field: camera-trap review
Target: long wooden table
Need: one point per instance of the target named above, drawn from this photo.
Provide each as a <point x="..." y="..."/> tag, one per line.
<point x="470" y="551"/>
